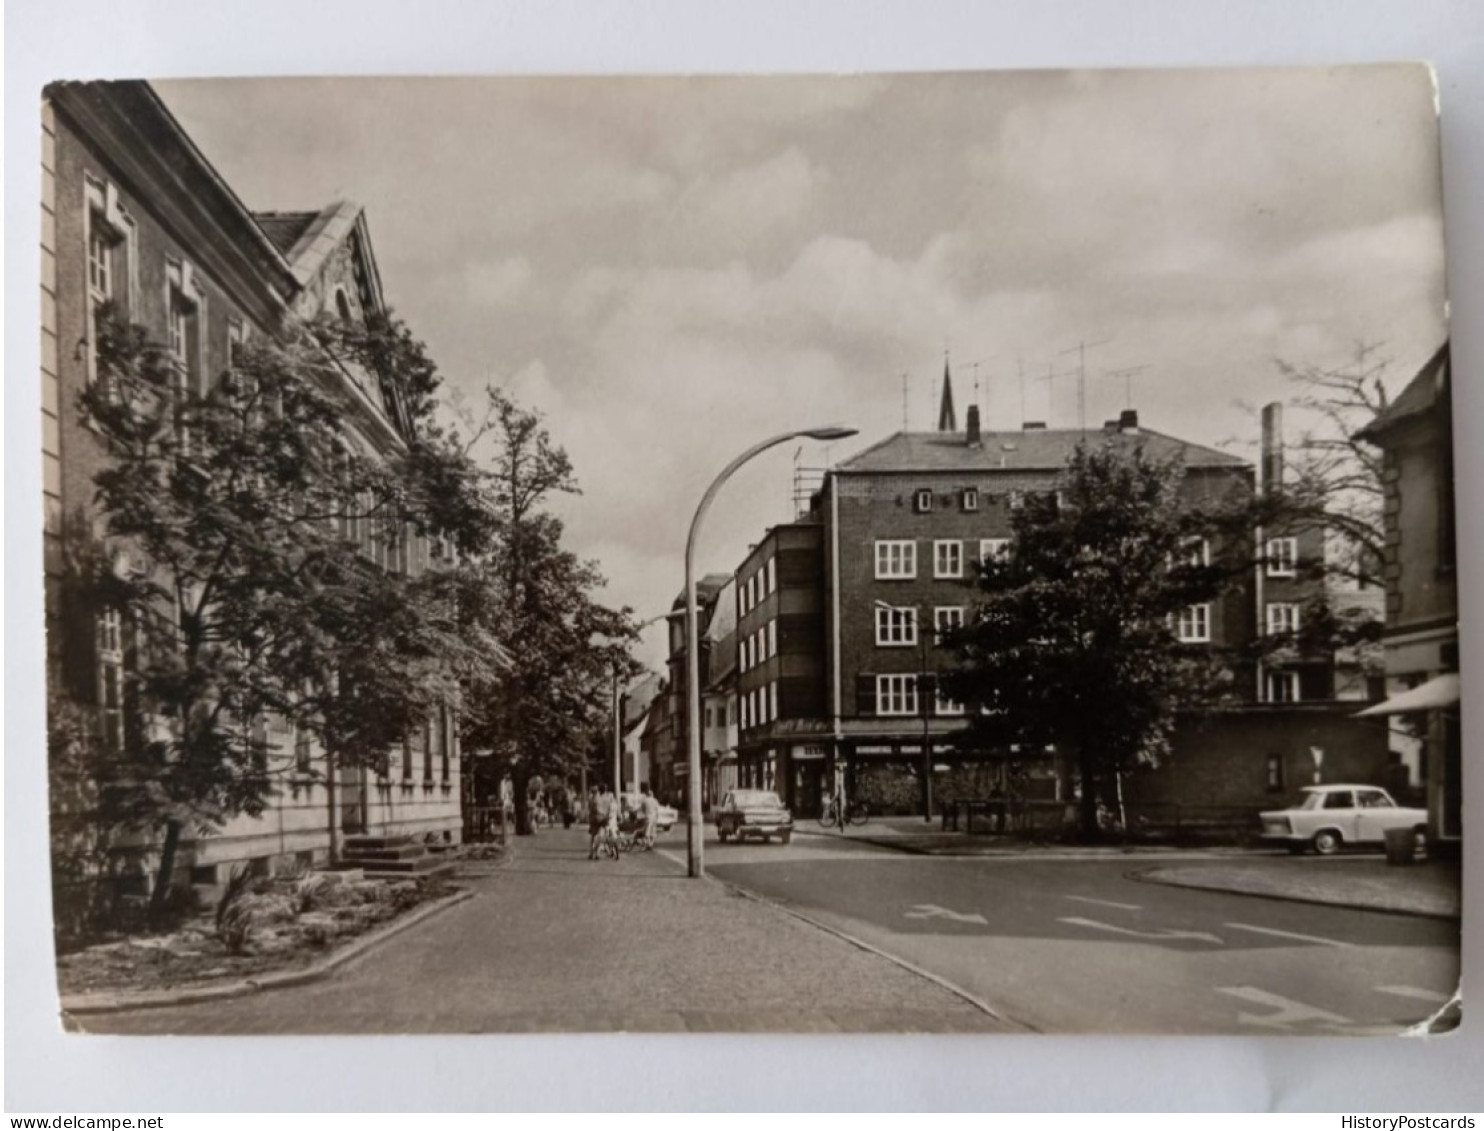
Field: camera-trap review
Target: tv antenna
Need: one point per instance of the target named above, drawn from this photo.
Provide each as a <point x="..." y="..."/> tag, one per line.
<point x="1127" y="373"/>
<point x="1080" y="349"/>
<point x="1051" y="378"/>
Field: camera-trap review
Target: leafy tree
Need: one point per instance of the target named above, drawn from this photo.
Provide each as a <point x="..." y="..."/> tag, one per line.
<point x="536" y="715"/>
<point x="1073" y="639"/>
<point x="263" y="552"/>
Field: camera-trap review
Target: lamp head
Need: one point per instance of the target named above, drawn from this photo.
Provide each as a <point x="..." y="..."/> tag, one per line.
<point x="830" y="432"/>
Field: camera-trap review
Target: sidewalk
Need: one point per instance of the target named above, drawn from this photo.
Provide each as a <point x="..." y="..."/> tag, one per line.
<point x="1368" y="883"/>
<point x="553" y="942"/>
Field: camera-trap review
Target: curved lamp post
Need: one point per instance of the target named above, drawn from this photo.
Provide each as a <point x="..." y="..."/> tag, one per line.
<point x="695" y="865"/>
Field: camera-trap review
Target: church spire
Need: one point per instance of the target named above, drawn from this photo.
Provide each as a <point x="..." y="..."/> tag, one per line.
<point x="947" y="421"/>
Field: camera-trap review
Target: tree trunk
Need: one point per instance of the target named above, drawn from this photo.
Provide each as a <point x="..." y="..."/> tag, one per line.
<point x="1087" y="815"/>
<point x="334" y="815"/>
<point x="166" y="872"/>
<point x="521" y="779"/>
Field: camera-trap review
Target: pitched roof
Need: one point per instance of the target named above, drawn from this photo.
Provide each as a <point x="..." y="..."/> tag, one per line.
<point x="1033" y="449"/>
<point x="1422" y="394"/>
<point x="284" y="228"/>
<point x="707" y="589"/>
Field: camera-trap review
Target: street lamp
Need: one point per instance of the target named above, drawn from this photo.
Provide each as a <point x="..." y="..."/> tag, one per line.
<point x="922" y="708"/>
<point x="695" y="865"/>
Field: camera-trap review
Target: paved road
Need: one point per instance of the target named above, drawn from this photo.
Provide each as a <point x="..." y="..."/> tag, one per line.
<point x="555" y="943"/>
<point x="1080" y="946"/>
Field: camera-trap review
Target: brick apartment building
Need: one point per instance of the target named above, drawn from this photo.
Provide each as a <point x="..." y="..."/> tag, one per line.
<point x="134" y="215"/>
<point x="840" y="614"/>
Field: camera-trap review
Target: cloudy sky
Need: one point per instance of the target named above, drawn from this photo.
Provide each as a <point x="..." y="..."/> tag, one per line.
<point x="671" y="269"/>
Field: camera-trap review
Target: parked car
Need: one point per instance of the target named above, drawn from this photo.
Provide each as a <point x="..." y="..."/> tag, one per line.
<point x="753" y="812"/>
<point x="1331" y="816"/>
<point x="668" y="816"/>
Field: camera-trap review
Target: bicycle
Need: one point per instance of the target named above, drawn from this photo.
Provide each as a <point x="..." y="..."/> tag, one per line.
<point x="838" y="812"/>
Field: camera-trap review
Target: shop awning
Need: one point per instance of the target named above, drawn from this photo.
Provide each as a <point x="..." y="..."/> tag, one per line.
<point x="1440" y="691"/>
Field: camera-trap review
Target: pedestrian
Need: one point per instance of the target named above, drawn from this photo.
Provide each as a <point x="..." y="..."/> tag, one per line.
<point x="569" y="807"/>
<point x="594" y="822"/>
<point x="649" y="804"/>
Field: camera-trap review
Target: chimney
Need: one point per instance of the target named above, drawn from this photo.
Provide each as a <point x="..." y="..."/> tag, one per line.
<point x="1128" y="422"/>
<point x="1033" y="426"/>
<point x="1110" y="426"/>
<point x="973" y="438"/>
<point x="1272" y="448"/>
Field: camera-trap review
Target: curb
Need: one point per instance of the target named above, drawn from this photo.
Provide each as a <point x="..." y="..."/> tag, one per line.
<point x="1349" y="905"/>
<point x="860" y="944"/>
<point x="89" y="1004"/>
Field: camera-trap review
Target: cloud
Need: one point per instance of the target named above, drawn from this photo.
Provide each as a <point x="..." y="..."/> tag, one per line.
<point x="499" y="283"/>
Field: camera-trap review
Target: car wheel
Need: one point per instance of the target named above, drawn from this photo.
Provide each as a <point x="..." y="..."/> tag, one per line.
<point x="1327" y="842"/>
<point x="721" y="834"/>
<point x="784" y="838"/>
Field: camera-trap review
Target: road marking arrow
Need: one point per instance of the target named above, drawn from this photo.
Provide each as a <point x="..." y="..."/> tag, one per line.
<point x="1162" y="935"/>
<point x="1287" y="1012"/>
<point x="933" y="911"/>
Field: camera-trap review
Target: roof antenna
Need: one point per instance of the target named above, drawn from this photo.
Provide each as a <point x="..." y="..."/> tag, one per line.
<point x="1127" y="373"/>
<point x="1080" y="349"/>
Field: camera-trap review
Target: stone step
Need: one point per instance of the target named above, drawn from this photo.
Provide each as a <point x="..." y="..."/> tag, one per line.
<point x="366" y="840"/>
<point x="393" y="852"/>
<point x="400" y="870"/>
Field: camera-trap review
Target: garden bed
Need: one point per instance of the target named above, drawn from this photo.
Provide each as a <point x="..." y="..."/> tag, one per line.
<point x="271" y="926"/>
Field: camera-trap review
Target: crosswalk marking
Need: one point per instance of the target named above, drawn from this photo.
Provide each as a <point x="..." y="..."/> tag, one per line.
<point x="1286" y="934"/>
<point x="1106" y="903"/>
<point x="1418" y="994"/>
<point x="933" y="911"/>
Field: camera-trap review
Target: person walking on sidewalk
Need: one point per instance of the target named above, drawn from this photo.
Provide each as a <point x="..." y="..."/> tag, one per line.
<point x="594" y="822"/>
<point x="649" y="805"/>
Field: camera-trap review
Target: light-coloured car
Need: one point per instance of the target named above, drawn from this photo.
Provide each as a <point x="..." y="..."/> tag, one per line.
<point x="667" y="818"/>
<point x="1328" y="817"/>
<point x="753" y="812"/>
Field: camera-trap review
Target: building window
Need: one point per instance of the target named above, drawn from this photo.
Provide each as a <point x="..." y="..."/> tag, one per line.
<point x="971" y="498"/>
<point x="772" y="577"/>
<point x="948" y="559"/>
<point x="994" y="549"/>
<point x="942" y="705"/>
<point x="772" y="638"/>
<point x="1275" y="780"/>
<point x="1198" y="552"/>
<point x="1017" y="500"/>
<point x="445" y="745"/>
<point x="922" y="501"/>
<point x="946" y="619"/>
<point x="430" y="736"/>
<point x="111" y="677"/>
<point x="896" y="695"/>
<point x="109" y="236"/>
<point x="1283" y="687"/>
<point x="407" y="758"/>
<point x="745" y="721"/>
<point x="1282" y="557"/>
<point x="773" y="700"/>
<point x="1282" y="618"/>
<point x="896" y="559"/>
<point x="301" y="750"/>
<point x="896" y="626"/>
<point x="183" y="303"/>
<point x="1194" y="625"/>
